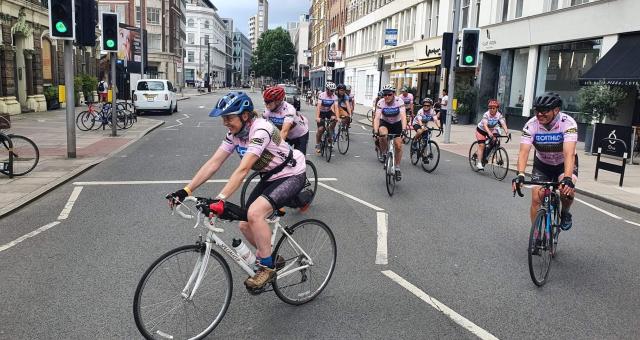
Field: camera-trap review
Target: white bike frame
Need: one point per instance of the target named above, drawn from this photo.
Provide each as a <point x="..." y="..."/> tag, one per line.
<point x="211" y="239"/>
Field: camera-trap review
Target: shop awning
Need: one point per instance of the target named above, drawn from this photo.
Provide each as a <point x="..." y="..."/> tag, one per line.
<point x="619" y="66"/>
<point x="428" y="65"/>
<point x="397" y="71"/>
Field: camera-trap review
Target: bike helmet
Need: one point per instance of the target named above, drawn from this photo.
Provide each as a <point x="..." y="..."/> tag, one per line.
<point x="234" y="103"/>
<point x="388" y="88"/>
<point x="548" y="100"/>
<point x="405" y="89"/>
<point x="427" y="100"/>
<point x="347" y="87"/>
<point x="274" y="93"/>
<point x="330" y="86"/>
<point x="380" y="94"/>
<point x="493" y="102"/>
<point x="341" y="87"/>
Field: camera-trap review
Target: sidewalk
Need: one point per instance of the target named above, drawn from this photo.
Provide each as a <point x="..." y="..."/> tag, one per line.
<point x="605" y="189"/>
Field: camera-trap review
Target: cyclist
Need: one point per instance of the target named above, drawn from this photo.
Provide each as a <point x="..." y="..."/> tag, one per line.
<point x="293" y="126"/>
<point x="390" y="118"/>
<point x="407" y="98"/>
<point x="260" y="147"/>
<point x="377" y="99"/>
<point x="554" y="135"/>
<point x="487" y="127"/>
<point x="352" y="99"/>
<point x="344" y="104"/>
<point x="327" y="108"/>
<point x="425" y="115"/>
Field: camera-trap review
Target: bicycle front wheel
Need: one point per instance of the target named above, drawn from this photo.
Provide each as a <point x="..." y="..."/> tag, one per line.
<point x="500" y="163"/>
<point x="390" y="175"/>
<point x="370" y="115"/>
<point x="83" y="121"/>
<point x="414" y="152"/>
<point x="310" y="258"/>
<point x="328" y="146"/>
<point x="539" y="252"/>
<point x="312" y="179"/>
<point x="162" y="308"/>
<point x="473" y="156"/>
<point x="25" y="155"/>
<point x="343" y="140"/>
<point x="248" y="186"/>
<point x="430" y="156"/>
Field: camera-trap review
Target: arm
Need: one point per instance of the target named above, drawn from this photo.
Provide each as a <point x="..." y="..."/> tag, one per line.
<point x="503" y="122"/>
<point x="284" y="132"/>
<point x="208" y="169"/>
<point x="403" y="117"/>
<point x="569" y="151"/>
<point x="523" y="156"/>
<point x="376" y="120"/>
<point x="238" y="175"/>
<point x="318" y="111"/>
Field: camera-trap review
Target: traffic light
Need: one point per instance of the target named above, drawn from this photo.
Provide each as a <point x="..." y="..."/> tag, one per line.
<point x="62" y="19"/>
<point x="86" y="20"/>
<point x="110" y="32"/>
<point x="470" y="47"/>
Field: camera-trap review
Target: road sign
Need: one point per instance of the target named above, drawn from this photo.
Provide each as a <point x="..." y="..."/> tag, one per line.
<point x="391" y="37"/>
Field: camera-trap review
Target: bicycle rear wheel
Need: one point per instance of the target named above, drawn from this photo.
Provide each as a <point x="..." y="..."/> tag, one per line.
<point x="430" y="156"/>
<point x="343" y="140"/>
<point x="312" y="179"/>
<point x="390" y="175"/>
<point x="84" y="121"/>
<point x="370" y="115"/>
<point x="473" y="156"/>
<point x="25" y="155"/>
<point x="499" y="163"/>
<point x="160" y="309"/>
<point x="414" y="152"/>
<point x="297" y="285"/>
<point x="249" y="184"/>
<point x="539" y="251"/>
<point x="328" y="146"/>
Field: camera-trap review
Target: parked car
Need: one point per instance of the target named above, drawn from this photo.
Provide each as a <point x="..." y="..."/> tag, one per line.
<point x="155" y="95"/>
<point x="292" y="95"/>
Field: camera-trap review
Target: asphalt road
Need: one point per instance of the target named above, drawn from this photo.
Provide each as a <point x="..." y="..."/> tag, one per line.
<point x="455" y="236"/>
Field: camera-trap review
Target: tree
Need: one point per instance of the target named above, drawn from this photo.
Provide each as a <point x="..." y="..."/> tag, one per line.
<point x="600" y="100"/>
<point x="273" y="45"/>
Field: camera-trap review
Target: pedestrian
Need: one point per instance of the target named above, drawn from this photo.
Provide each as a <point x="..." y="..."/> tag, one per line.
<point x="444" y="100"/>
<point x="103" y="89"/>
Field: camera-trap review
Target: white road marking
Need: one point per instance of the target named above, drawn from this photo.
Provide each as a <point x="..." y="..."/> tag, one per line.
<point x="351" y="197"/>
<point x="179" y="121"/>
<point x="363" y="128"/>
<point x="439" y="306"/>
<point x="356" y="156"/>
<point x="201" y="107"/>
<point x="72" y="199"/>
<point x="631" y="222"/>
<point x="31" y="234"/>
<point x="598" y="209"/>
<point x="381" y="252"/>
<point x="321" y="179"/>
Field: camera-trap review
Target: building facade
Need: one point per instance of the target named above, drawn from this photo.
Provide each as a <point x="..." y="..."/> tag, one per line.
<point x="301" y="43"/>
<point x="228" y="24"/>
<point x="318" y="43"/>
<point x="241" y="59"/>
<point x="259" y="23"/>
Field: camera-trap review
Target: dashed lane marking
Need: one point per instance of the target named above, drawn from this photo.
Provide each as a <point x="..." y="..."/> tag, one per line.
<point x="29" y="235"/>
<point x="72" y="199"/>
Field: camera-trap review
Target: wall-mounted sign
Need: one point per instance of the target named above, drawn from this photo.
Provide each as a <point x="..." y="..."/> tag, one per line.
<point x="391" y="36"/>
<point x="335" y="55"/>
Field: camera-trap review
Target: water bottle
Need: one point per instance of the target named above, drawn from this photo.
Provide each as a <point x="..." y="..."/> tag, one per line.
<point x="244" y="251"/>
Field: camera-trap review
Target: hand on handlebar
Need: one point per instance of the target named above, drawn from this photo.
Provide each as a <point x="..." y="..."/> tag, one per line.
<point x="175" y="198"/>
<point x="516" y="184"/>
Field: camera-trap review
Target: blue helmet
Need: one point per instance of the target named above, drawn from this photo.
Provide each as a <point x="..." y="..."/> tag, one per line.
<point x="234" y="103"/>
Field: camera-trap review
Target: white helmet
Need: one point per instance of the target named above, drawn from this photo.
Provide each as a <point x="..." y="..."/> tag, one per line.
<point x="389" y="88"/>
<point x="330" y="86"/>
<point x="347" y="87"/>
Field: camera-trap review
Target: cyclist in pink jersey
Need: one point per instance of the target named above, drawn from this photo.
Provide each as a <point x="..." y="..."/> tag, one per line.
<point x="327" y="108"/>
<point x="407" y="98"/>
<point x="390" y="118"/>
<point x="554" y="135"/>
<point x="260" y="147"/>
<point x="425" y="115"/>
<point x="487" y="127"/>
<point x="294" y="128"/>
<point x="352" y="99"/>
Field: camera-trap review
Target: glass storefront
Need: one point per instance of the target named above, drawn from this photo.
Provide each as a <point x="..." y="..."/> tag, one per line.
<point x="518" y="79"/>
<point x="560" y="66"/>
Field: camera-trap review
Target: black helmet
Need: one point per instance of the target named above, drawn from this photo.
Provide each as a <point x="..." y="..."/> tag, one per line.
<point x="341" y="87"/>
<point x="548" y="100"/>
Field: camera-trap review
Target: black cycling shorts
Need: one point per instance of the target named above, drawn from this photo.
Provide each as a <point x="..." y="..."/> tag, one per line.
<point x="393" y="129"/>
<point x="278" y="192"/>
<point x="550" y="173"/>
<point x="300" y="143"/>
<point x="417" y="127"/>
<point x="324" y="115"/>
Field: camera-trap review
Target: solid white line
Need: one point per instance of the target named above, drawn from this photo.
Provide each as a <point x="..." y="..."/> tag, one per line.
<point x="321" y="179"/>
<point x="31" y="234"/>
<point x="381" y="252"/>
<point x="631" y="222"/>
<point x="439" y="306"/>
<point x="351" y="197"/>
<point x="72" y="199"/>
<point x="179" y="121"/>
<point x="598" y="209"/>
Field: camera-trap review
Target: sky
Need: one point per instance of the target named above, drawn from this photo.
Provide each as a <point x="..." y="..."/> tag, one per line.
<point x="280" y="12"/>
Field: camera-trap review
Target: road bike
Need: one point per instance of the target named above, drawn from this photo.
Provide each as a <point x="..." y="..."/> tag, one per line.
<point x="426" y="150"/>
<point x="311" y="183"/>
<point x="494" y="154"/>
<point x="18" y="154"/>
<point x="543" y="237"/>
<point x="370" y="114"/>
<point x="186" y="292"/>
<point x="342" y="135"/>
<point x="326" y="142"/>
<point x="390" y="165"/>
<point x="408" y="132"/>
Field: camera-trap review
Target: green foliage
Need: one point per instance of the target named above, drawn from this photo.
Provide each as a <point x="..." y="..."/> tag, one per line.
<point x="273" y="44"/>
<point x="85" y="84"/>
<point x="467" y="96"/>
<point x="51" y="92"/>
<point x="599" y="101"/>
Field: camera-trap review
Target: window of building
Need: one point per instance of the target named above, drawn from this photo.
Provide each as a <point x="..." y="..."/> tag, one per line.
<point x="477" y="23"/>
<point x="190" y="56"/>
<point x="464" y="14"/>
<point x="206" y="24"/>
<point x="191" y="23"/>
<point x="153" y="15"/>
<point x="560" y="66"/>
<point x="104" y="8"/>
<point x="436" y="7"/>
<point x="578" y="2"/>
<point x="206" y="38"/>
<point x="505" y="9"/>
<point x="120" y="9"/>
<point x="519" y="8"/>
<point x="190" y="38"/>
<point x="155" y="41"/>
<point x="138" y="14"/>
<point x="189" y="74"/>
<point x="369" y="85"/>
<point x="518" y="80"/>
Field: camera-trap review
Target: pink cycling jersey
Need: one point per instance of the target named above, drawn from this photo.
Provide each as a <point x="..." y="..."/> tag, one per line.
<point x="492" y="121"/>
<point x="549" y="142"/>
<point x="408" y="100"/>
<point x="430" y="115"/>
<point x="390" y="113"/>
<point x="326" y="101"/>
<point x="286" y="113"/>
<point x="264" y="141"/>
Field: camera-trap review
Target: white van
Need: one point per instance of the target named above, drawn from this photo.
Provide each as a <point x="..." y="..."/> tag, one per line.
<point x="155" y="95"/>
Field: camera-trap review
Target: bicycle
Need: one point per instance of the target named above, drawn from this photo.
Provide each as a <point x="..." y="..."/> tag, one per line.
<point x="426" y="150"/>
<point x="196" y="279"/>
<point x="326" y="147"/>
<point x="19" y="155"/>
<point x="390" y="164"/>
<point x="342" y="135"/>
<point x="408" y="132"/>
<point x="494" y="154"/>
<point x="370" y="115"/>
<point x="312" y="172"/>
<point x="543" y="237"/>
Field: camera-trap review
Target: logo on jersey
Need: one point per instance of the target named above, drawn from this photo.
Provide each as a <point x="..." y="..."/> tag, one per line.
<point x="241" y="150"/>
<point x="573" y="130"/>
<point x="492" y="122"/>
<point x="257" y="141"/>
<point x="390" y="111"/>
<point x="277" y="121"/>
<point x="327" y="102"/>
<point x="549" y="138"/>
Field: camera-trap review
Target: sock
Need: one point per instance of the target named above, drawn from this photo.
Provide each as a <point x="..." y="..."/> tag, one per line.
<point x="267" y="262"/>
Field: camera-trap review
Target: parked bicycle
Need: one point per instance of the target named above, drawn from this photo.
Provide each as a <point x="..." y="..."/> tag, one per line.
<point x="494" y="154"/>
<point x="19" y="155"/>
<point x="543" y="237"/>
<point x="426" y="150"/>
<point x="97" y="117"/>
<point x="186" y="292"/>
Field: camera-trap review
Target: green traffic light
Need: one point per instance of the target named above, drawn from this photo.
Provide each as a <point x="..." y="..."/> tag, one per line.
<point x="468" y="59"/>
<point x="61" y="27"/>
<point x="110" y="43"/>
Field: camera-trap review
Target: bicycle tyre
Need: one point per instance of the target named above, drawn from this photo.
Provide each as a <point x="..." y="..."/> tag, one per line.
<point x="430" y="156"/>
<point x="5" y="146"/>
<point x="473" y="156"/>
<point x="370" y="115"/>
<point x="172" y="290"/>
<point x="245" y="192"/>
<point x="390" y="176"/>
<point x="311" y="169"/>
<point x="25" y="154"/>
<point x="407" y="135"/>
<point x="343" y="140"/>
<point x="82" y="120"/>
<point x="499" y="163"/>
<point x="414" y="152"/>
<point x="328" y="146"/>
<point x="539" y="250"/>
<point x="304" y="278"/>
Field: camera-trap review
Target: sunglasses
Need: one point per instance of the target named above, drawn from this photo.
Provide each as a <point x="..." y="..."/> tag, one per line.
<point x="493" y="107"/>
<point x="388" y="94"/>
<point x="543" y="111"/>
<point x="426" y="104"/>
<point x="269" y="101"/>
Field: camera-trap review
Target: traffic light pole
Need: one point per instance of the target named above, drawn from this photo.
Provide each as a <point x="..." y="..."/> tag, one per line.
<point x="209" y="66"/>
<point x="70" y="98"/>
<point x="114" y="115"/>
<point x="452" y="74"/>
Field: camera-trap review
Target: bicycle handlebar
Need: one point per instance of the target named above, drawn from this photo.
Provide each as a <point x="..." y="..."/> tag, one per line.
<point x="553" y="185"/>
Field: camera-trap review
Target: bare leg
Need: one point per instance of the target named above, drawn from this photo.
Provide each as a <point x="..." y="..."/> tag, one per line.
<point x="257" y="214"/>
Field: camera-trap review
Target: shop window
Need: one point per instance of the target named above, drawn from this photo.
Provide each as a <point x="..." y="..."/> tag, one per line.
<point x="518" y="79"/>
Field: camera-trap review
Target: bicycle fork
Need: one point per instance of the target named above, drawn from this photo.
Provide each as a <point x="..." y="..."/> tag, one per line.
<point x="197" y="274"/>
